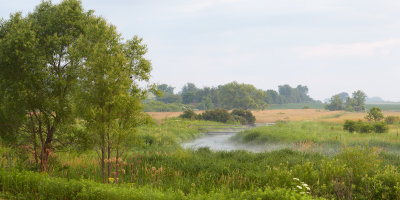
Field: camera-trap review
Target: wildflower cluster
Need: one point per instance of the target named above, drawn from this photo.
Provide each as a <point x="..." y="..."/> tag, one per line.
<point x="300" y="186"/>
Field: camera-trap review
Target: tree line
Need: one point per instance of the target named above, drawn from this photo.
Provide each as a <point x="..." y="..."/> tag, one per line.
<point x="230" y="96"/>
<point x="343" y="101"/>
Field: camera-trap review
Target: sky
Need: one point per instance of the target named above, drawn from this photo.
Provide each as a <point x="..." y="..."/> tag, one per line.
<point x="330" y="46"/>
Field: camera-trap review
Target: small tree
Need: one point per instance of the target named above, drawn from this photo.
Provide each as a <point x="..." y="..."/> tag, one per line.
<point x="374" y="114"/>
<point x="336" y="103"/>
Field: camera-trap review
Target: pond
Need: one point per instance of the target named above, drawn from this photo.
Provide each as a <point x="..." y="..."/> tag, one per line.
<point x="219" y="139"/>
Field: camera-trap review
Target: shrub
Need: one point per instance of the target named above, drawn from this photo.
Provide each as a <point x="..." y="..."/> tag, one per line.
<point x="363" y="127"/>
<point x="188" y="114"/>
<point x="249" y="118"/>
<point x="380" y="127"/>
<point x="217" y="115"/>
<point x="350" y="125"/>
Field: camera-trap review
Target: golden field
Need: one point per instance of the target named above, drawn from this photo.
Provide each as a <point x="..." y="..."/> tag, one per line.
<point x="265" y="116"/>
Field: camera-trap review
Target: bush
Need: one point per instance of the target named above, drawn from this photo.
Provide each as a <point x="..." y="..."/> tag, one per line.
<point x="217" y="115"/>
<point x="248" y="117"/>
<point x="350" y="125"/>
<point x="363" y="127"/>
<point x="188" y="114"/>
<point x="380" y="127"/>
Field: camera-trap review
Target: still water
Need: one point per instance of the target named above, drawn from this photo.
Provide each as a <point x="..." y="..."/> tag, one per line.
<point x="221" y="141"/>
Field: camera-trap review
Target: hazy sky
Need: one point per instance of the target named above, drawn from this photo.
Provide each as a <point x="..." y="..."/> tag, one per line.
<point x="329" y="45"/>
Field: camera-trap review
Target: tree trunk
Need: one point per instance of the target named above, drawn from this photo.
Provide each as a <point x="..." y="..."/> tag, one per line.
<point x="108" y="156"/>
<point x="116" y="166"/>
<point x="103" y="166"/>
<point x="34" y="144"/>
<point x="46" y="148"/>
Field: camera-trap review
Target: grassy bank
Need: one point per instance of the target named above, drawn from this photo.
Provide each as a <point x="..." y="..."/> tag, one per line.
<point x="318" y="136"/>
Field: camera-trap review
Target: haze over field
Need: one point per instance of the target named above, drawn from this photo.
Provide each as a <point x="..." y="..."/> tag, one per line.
<point x="330" y="46"/>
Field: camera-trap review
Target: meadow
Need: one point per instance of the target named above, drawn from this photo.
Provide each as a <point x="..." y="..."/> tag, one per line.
<point x="316" y="160"/>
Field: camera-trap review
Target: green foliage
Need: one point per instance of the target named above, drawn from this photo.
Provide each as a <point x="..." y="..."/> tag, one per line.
<point x="350" y="126"/>
<point x="234" y="95"/>
<point x="245" y="96"/>
<point x="217" y="115"/>
<point x="221" y="115"/>
<point x="357" y="102"/>
<point x="159" y="106"/>
<point x="374" y="114"/>
<point x="364" y="127"/>
<point x="380" y="127"/>
<point x="39" y="65"/>
<point x="243" y="116"/>
<point x="188" y="114"/>
<point x="39" y="186"/>
<point x="288" y="94"/>
<point x="336" y="103"/>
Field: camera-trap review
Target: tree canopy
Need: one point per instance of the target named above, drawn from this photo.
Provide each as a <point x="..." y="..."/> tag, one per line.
<point x="60" y="63"/>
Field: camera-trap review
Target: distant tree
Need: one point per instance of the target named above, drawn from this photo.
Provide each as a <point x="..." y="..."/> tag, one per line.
<point x="235" y="95"/>
<point x="272" y="97"/>
<point x="189" y="93"/>
<point x="343" y="96"/>
<point x="336" y="103"/>
<point x="374" y="114"/>
<point x="166" y="89"/>
<point x="359" y="100"/>
<point x="294" y="95"/>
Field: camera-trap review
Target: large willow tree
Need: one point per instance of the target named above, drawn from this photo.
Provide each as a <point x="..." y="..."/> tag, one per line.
<point x="58" y="58"/>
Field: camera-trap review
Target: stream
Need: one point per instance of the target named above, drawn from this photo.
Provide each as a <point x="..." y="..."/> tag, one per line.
<point x="220" y="141"/>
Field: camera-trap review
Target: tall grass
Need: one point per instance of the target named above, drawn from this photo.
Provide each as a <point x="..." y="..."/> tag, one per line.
<point x="317" y="135"/>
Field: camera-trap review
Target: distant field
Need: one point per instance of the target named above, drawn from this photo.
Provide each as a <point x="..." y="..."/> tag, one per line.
<point x="265" y="116"/>
<point x="382" y="106"/>
<point x="296" y="106"/>
<point x="385" y="106"/>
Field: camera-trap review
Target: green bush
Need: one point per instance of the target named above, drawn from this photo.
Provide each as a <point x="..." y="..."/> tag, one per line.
<point x="380" y="127"/>
<point x="350" y="125"/>
<point x="364" y="127"/>
<point x="243" y="116"/>
<point x="217" y="115"/>
<point x="188" y="114"/>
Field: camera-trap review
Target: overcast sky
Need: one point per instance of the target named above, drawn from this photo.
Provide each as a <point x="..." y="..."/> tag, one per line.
<point x="328" y="45"/>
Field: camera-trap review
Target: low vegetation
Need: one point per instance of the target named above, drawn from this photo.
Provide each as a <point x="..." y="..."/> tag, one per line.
<point x="221" y="115"/>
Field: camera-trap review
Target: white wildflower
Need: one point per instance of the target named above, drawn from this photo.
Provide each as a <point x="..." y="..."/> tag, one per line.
<point x="296" y="179"/>
<point x="299" y="187"/>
